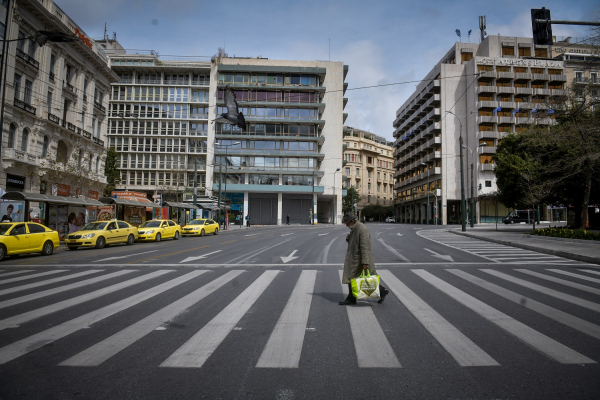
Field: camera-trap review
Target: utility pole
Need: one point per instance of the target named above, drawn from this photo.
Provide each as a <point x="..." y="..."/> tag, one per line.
<point x="195" y="185"/>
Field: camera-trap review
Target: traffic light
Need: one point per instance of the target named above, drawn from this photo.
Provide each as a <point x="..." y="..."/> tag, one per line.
<point x="542" y="31"/>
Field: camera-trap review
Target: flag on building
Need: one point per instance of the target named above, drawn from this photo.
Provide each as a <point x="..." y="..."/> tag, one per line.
<point x="498" y="109"/>
<point x="550" y="111"/>
<point x="534" y="110"/>
<point x="516" y="111"/>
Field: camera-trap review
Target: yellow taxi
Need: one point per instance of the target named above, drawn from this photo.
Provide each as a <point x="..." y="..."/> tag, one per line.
<point x="159" y="229"/>
<point x="200" y="227"/>
<point x="102" y="233"/>
<point x="27" y="237"/>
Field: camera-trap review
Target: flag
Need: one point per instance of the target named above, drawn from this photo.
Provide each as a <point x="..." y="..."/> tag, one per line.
<point x="516" y="111"/>
<point x="534" y="110"/>
<point x="457" y="32"/>
<point x="550" y="111"/>
<point x="426" y="124"/>
<point x="498" y="109"/>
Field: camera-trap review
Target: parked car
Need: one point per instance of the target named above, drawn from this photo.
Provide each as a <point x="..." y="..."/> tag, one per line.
<point x="27" y="237"/>
<point x="159" y="229"/>
<point x="390" y="219"/>
<point x="518" y="216"/>
<point x="200" y="227"/>
<point x="102" y="233"/>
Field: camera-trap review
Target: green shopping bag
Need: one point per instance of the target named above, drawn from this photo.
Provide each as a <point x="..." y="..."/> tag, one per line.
<point x="365" y="286"/>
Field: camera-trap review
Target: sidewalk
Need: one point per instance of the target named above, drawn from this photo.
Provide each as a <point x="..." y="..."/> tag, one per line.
<point x="516" y="236"/>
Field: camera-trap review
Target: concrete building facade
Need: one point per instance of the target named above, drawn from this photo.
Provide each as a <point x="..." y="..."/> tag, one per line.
<point x="481" y="92"/>
<point x="54" y="121"/>
<point x="368" y="166"/>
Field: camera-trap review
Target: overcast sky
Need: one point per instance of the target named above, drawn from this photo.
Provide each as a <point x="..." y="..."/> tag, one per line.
<point x="382" y="41"/>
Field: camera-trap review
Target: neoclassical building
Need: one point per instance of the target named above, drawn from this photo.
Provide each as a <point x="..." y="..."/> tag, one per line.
<point x="55" y="120"/>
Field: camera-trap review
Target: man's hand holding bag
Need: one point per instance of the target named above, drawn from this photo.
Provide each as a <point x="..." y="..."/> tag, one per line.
<point x="366" y="286"/>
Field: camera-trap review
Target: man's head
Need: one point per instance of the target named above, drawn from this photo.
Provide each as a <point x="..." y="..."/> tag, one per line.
<point x="9" y="209"/>
<point x="349" y="219"/>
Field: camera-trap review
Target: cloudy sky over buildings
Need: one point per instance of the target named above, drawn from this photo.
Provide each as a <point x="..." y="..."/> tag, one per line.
<point x="384" y="42"/>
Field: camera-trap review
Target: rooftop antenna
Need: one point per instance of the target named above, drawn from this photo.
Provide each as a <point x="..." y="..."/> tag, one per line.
<point x="482" y="28"/>
<point x="330" y="49"/>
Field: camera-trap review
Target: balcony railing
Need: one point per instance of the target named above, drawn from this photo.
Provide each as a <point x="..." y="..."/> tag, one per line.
<point x="99" y="106"/>
<point x="51" y="76"/>
<point x="54" y="118"/>
<point x="86" y="135"/>
<point x="98" y="141"/>
<point x="69" y="87"/>
<point x="24" y="106"/>
<point x="70" y="127"/>
<point x="28" y="59"/>
<point x="85" y="98"/>
<point x="19" y="156"/>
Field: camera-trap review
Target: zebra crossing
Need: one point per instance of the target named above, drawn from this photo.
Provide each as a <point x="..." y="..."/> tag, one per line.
<point x="491" y="251"/>
<point x="545" y="292"/>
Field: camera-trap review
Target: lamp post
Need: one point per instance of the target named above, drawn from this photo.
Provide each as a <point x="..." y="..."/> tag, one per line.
<point x="414" y="211"/>
<point x="334" y="186"/>
<point x="472" y="201"/>
<point x="312" y="200"/>
<point x="227" y="146"/>
<point x="463" y="205"/>
<point x="195" y="184"/>
<point x="427" y="191"/>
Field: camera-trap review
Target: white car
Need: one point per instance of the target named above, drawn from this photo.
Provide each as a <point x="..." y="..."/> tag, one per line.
<point x="390" y="219"/>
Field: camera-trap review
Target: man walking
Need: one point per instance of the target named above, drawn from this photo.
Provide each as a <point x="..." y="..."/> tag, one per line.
<point x="288" y="219"/>
<point x="359" y="256"/>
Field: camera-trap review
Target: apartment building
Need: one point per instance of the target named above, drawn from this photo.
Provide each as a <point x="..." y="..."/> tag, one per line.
<point x="288" y="161"/>
<point x="368" y="166"/>
<point x="159" y="122"/>
<point x="582" y="65"/>
<point x="54" y="121"/>
<point x="480" y="92"/>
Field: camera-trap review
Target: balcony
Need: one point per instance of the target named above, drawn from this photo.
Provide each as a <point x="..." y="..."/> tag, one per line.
<point x="69" y="88"/>
<point x="541" y="77"/>
<point x="487" y="104"/>
<point x="487" y="119"/>
<point x="30" y="61"/>
<point x="24" y="106"/>
<point x="51" y="76"/>
<point x="69" y="126"/>
<point x="486" y="150"/>
<point x="99" y="106"/>
<point x="541" y="92"/>
<point x="370" y="165"/>
<point x="12" y="156"/>
<point x="486" y="167"/>
<point x="485" y="89"/>
<point x="523" y="76"/>
<point x="558" y="78"/>
<point x="98" y="141"/>
<point x="488" y="135"/>
<point x="528" y="91"/>
<point x="488" y="74"/>
<point x="86" y="134"/>
<point x="53" y="118"/>
<point x="85" y="98"/>
<point x="506" y="75"/>
<point x="506" y="89"/>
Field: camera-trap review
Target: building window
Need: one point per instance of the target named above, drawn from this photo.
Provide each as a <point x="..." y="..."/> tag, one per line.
<point x="578" y="76"/>
<point x="541" y="53"/>
<point x="24" y="140"/>
<point x="45" y="147"/>
<point x="524" y="52"/>
<point x="594" y="77"/>
<point x="488" y="183"/>
<point x="347" y="171"/>
<point x="61" y="152"/>
<point x="466" y="56"/>
<point x="49" y="99"/>
<point x="368" y="198"/>
<point x="357" y="171"/>
<point x="27" y="91"/>
<point x="11" y="136"/>
<point x="355" y="145"/>
<point x="97" y="164"/>
<point x="17" y="86"/>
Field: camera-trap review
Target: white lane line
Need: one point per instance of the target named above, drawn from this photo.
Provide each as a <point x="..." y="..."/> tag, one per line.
<point x="323" y="234"/>
<point x="590" y="271"/>
<point x="196" y="351"/>
<point x="24" y="346"/>
<point x="393" y="250"/>
<point x="372" y="347"/>
<point x="585" y="278"/>
<point x="23" y="271"/>
<point x="52" y="308"/>
<point x="128" y="255"/>
<point x="49" y="292"/>
<point x="285" y="343"/>
<point x="560" y="281"/>
<point x="547" y="311"/>
<point x="109" y="347"/>
<point x="533" y="338"/>
<point x="323" y="259"/>
<point x="49" y="281"/>
<point x="287" y="234"/>
<point x="461" y="348"/>
<point x="545" y="290"/>
<point x="22" y="278"/>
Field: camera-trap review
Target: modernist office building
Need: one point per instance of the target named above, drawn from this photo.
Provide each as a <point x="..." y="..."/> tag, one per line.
<point x="283" y="164"/>
<point x="480" y="91"/>
<point x="55" y="102"/>
<point x="288" y="161"/>
<point x="368" y="166"/>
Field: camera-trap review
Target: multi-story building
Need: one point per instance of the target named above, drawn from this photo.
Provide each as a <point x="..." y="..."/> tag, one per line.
<point x="581" y="66"/>
<point x="480" y="92"/>
<point x="283" y="164"/>
<point x="158" y="122"/>
<point x="288" y="161"/>
<point x="368" y="166"/>
<point x="54" y="121"/>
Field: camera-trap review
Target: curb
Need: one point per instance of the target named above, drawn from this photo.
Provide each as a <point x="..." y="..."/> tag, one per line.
<point x="571" y="256"/>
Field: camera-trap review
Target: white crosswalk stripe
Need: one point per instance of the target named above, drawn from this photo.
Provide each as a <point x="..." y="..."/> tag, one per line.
<point x="373" y="332"/>
<point x="22" y="278"/>
<point x="490" y="251"/>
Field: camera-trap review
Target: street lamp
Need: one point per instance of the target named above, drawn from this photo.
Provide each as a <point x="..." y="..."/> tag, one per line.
<point x="472" y="201"/>
<point x="334" y="186"/>
<point x="220" y="165"/>
<point x="463" y="205"/>
<point x="427" y="191"/>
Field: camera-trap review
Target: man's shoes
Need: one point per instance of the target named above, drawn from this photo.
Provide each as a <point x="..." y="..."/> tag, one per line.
<point x="350" y="301"/>
<point x="384" y="292"/>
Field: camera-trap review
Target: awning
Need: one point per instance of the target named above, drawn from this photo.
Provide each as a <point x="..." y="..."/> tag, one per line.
<point x="207" y="206"/>
<point x="43" y="198"/>
<point x="187" y="206"/>
<point x="131" y="203"/>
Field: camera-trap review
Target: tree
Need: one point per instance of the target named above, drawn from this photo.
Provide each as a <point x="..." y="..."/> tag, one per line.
<point x="350" y="199"/>
<point x="111" y="171"/>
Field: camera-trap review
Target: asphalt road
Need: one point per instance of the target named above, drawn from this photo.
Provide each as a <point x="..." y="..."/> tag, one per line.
<point x="253" y="313"/>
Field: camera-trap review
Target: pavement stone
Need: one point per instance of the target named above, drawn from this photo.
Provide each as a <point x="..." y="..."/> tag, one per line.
<point x="516" y="236"/>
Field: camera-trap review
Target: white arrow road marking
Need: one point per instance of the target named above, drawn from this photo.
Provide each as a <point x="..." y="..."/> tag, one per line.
<point x="290" y="257"/>
<point x="393" y="250"/>
<point x="434" y="254"/>
<point x="198" y="257"/>
<point x="287" y="234"/>
<point x="322" y="234"/>
<point x="399" y="234"/>
<point x="252" y="234"/>
<point x="128" y="255"/>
